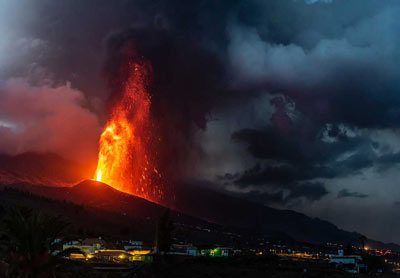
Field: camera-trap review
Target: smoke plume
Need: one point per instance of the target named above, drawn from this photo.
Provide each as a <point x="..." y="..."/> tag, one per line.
<point x="47" y="119"/>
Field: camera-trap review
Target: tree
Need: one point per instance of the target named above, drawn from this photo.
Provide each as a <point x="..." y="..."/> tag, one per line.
<point x="363" y="239"/>
<point x="349" y="249"/>
<point x="27" y="239"/>
<point x="164" y="232"/>
<point x="375" y="262"/>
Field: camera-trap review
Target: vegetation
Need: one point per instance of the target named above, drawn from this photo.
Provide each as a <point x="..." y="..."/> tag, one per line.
<point x="363" y="239"/>
<point x="27" y="244"/>
<point x="374" y="263"/>
<point x="240" y="267"/>
<point x="164" y="232"/>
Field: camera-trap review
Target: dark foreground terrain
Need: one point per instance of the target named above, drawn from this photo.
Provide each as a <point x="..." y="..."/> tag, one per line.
<point x="243" y="266"/>
<point x="88" y="220"/>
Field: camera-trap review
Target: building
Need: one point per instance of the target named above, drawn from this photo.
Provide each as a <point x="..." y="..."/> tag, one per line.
<point x="93" y="249"/>
<point x="141" y="255"/>
<point x="183" y="249"/>
<point x="134" y="245"/>
<point x="87" y="249"/>
<point x="116" y="256"/>
<point x="350" y="263"/>
<point x="72" y="242"/>
<point x="121" y="256"/>
<point x="87" y="246"/>
<point x="98" y="243"/>
<point x="217" y="252"/>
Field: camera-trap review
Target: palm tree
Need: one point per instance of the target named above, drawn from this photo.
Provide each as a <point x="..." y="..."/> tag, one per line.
<point x="27" y="238"/>
<point x="363" y="239"/>
<point x="164" y="232"/>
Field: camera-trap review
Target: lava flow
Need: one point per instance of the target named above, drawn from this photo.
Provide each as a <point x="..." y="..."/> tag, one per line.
<point x="126" y="151"/>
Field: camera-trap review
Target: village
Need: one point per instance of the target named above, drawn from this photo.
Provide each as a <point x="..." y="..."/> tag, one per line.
<point x="130" y="255"/>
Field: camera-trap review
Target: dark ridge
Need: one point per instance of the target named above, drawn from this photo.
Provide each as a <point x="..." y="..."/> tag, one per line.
<point x="202" y="205"/>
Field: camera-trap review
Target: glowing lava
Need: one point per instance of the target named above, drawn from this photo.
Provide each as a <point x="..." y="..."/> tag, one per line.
<point x="126" y="150"/>
<point x="98" y="175"/>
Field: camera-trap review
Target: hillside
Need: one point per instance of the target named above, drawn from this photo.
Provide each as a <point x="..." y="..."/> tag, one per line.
<point x="214" y="207"/>
<point x="30" y="171"/>
<point x="221" y="208"/>
<point x="48" y="169"/>
<point x="90" y="221"/>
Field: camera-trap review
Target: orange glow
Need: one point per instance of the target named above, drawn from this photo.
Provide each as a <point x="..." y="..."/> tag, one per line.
<point x="126" y="151"/>
<point x="98" y="175"/>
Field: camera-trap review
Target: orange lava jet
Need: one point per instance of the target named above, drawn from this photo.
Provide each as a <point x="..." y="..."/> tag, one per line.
<point x="126" y="149"/>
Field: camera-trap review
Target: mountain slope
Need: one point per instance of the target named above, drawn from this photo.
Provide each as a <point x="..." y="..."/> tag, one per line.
<point x="48" y="169"/>
<point x="97" y="194"/>
<point x="103" y="210"/>
<point x="221" y="208"/>
<point x="198" y="201"/>
<point x="204" y="203"/>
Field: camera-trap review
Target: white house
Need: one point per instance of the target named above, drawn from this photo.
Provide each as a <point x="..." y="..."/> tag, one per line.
<point x="351" y="263"/>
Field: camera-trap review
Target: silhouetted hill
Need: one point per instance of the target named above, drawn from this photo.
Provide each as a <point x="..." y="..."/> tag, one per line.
<point x="217" y="207"/>
<point x="47" y="169"/>
<point x="198" y="201"/>
<point x="89" y="220"/>
<point x="204" y="203"/>
<point x="221" y="208"/>
<point x="96" y="194"/>
<point x="137" y="222"/>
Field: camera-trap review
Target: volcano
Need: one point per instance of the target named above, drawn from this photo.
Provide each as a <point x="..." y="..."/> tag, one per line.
<point x="97" y="194"/>
<point x="128" y="145"/>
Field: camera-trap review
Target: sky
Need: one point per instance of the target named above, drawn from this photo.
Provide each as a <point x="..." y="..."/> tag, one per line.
<point x="290" y="103"/>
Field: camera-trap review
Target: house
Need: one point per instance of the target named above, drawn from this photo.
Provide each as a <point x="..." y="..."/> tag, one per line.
<point x="84" y="248"/>
<point x="72" y="242"/>
<point x="116" y="256"/>
<point x="141" y="255"/>
<point x="121" y="256"/>
<point x="350" y="263"/>
<point x="87" y="246"/>
<point x="183" y="249"/>
<point x="217" y="252"/>
<point x="95" y="242"/>
<point x="134" y="245"/>
<point x="221" y="252"/>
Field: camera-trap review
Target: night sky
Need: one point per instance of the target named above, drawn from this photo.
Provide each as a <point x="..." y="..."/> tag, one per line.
<point x="291" y="103"/>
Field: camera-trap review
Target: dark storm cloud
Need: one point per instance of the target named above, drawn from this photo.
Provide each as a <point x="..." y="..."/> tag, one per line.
<point x="338" y="81"/>
<point x="298" y="155"/>
<point x="285" y="195"/>
<point x="346" y="193"/>
<point x="299" y="151"/>
<point x="346" y="60"/>
<point x="311" y="191"/>
<point x="264" y="197"/>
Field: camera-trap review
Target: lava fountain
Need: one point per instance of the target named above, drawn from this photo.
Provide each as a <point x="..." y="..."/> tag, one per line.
<point x="126" y="146"/>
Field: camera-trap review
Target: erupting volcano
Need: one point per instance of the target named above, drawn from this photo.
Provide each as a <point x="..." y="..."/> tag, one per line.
<point x="127" y="147"/>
